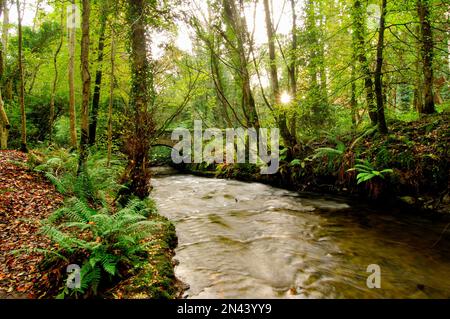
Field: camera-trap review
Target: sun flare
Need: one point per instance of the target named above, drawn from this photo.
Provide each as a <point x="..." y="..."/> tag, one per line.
<point x="285" y="98"/>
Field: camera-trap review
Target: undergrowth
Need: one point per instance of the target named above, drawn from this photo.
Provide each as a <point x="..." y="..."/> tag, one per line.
<point x="106" y="241"/>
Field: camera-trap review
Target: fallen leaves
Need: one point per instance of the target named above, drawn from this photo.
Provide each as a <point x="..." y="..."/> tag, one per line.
<point x="26" y="198"/>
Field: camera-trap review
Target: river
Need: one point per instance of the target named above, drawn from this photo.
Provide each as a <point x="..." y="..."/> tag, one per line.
<point x="249" y="240"/>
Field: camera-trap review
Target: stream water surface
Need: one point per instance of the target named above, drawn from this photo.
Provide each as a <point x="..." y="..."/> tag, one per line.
<point x="248" y="240"/>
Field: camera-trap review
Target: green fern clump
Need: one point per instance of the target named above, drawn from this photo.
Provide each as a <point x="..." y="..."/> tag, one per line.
<point x="98" y="180"/>
<point x="110" y="241"/>
<point x="367" y="172"/>
<point x="333" y="155"/>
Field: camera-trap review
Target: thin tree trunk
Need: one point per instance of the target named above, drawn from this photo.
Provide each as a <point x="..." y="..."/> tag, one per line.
<point x="353" y="100"/>
<point x="282" y="119"/>
<point x="5" y="30"/>
<point x="218" y="84"/>
<point x="98" y="80"/>
<point x="86" y="79"/>
<point x="360" y="47"/>
<point x="292" y="70"/>
<point x="294" y="45"/>
<point x="321" y="54"/>
<point x="36" y="14"/>
<point x="423" y="9"/>
<point x="236" y="21"/>
<point x="23" y="146"/>
<point x="378" y="73"/>
<point x="418" y="89"/>
<point x="111" y="91"/>
<point x="72" y="110"/>
<point x="4" y="125"/>
<point x="2" y="63"/>
<point x="272" y="55"/>
<point x="55" y="78"/>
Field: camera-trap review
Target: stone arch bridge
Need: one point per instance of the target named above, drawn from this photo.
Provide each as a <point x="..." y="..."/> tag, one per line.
<point x="165" y="139"/>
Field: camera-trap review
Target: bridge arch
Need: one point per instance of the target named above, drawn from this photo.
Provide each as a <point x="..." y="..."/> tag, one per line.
<point x="164" y="140"/>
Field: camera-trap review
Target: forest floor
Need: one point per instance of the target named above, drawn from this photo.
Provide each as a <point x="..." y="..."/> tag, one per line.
<point x="26" y="198"/>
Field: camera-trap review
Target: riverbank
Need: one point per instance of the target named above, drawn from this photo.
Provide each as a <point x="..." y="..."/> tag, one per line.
<point x="36" y="248"/>
<point x="409" y="167"/>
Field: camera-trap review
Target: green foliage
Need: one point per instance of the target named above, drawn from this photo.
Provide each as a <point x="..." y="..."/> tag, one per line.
<point x="332" y="155"/>
<point x="367" y="172"/>
<point x="99" y="180"/>
<point x="38" y="121"/>
<point x="109" y="241"/>
<point x="160" y="155"/>
<point x="60" y="135"/>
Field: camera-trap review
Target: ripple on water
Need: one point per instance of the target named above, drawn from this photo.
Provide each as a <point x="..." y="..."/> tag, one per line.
<point x="241" y="240"/>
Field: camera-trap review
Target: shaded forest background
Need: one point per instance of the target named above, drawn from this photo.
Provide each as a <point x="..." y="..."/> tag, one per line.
<point x="334" y="65"/>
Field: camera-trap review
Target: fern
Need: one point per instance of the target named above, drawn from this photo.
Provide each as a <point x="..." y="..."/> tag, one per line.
<point x="367" y="172"/>
<point x="107" y="239"/>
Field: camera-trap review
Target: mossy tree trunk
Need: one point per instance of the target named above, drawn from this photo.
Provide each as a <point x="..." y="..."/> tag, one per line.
<point x="98" y="78"/>
<point x="72" y="110"/>
<point x="382" y="126"/>
<point x="23" y="146"/>
<point x="359" y="47"/>
<point x="111" y="90"/>
<point x="141" y="127"/>
<point x="423" y="9"/>
<point x="4" y="125"/>
<point x="86" y="79"/>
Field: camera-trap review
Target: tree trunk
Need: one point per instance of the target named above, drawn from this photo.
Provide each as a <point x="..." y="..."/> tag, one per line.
<point x="292" y="69"/>
<point x="418" y="86"/>
<point x="4" y="122"/>
<point x="55" y="78"/>
<point x="353" y="100"/>
<point x="98" y="80"/>
<point x="5" y="30"/>
<point x="4" y="125"/>
<point x="2" y="63"/>
<point x="218" y="84"/>
<point x="317" y="94"/>
<point x="36" y="14"/>
<point x="142" y="128"/>
<point x="86" y="79"/>
<point x="294" y="45"/>
<point x="423" y="9"/>
<point x="378" y="72"/>
<point x="360" y="47"/>
<point x="72" y="110"/>
<point x="111" y="91"/>
<point x="236" y="21"/>
<point x="23" y="146"/>
<point x="282" y="118"/>
<point x="272" y="55"/>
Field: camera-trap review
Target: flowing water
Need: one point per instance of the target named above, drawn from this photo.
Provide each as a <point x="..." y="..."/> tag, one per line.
<point x="248" y="240"/>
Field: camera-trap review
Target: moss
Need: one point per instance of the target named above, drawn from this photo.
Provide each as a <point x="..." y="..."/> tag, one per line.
<point x="154" y="279"/>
